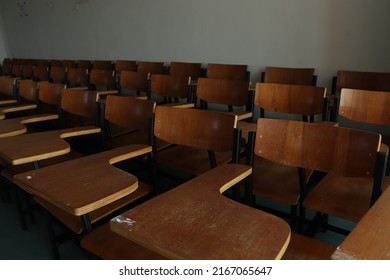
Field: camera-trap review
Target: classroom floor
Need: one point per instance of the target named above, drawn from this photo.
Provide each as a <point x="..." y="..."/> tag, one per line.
<point x="33" y="244"/>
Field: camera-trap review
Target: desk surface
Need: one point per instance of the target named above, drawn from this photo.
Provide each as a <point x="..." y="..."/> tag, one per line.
<point x="16" y="126"/>
<point x="370" y="239"/>
<point x="85" y="184"/>
<point x="195" y="221"/>
<point x="41" y="145"/>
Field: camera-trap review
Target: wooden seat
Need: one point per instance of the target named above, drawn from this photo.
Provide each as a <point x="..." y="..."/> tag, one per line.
<point x="319" y="147"/>
<point x="233" y="93"/>
<point x="357" y="194"/>
<point x="227" y="71"/>
<point x="170" y="89"/>
<point x="203" y="139"/>
<point x="101" y="79"/>
<point x="272" y="180"/>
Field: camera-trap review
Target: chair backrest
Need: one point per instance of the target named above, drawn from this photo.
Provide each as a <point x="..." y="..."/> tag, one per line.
<point x="41" y="73"/>
<point x="102" y="65"/>
<point x="16" y="70"/>
<point x="128" y="112"/>
<point x="292" y="76"/>
<point x="84" y="64"/>
<point x="57" y="74"/>
<point x="6" y="67"/>
<point x="378" y="81"/>
<point x="151" y="67"/>
<point x="316" y="146"/>
<point x="8" y="86"/>
<point x="365" y="106"/>
<point x="101" y="79"/>
<point x="125" y="65"/>
<point x="206" y="129"/>
<point x="79" y="103"/>
<point x="227" y="71"/>
<point x="67" y="63"/>
<point x="55" y="63"/>
<point x="223" y="91"/>
<point x="40" y="62"/>
<point x="291" y="99"/>
<point x="170" y="86"/>
<point x="133" y="81"/>
<point x="50" y="93"/>
<point x="27" y="71"/>
<point x="77" y="77"/>
<point x="27" y="89"/>
<point x="186" y="69"/>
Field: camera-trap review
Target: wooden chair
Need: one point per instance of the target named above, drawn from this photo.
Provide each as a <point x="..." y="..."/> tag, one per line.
<point x="174" y="90"/>
<point x="374" y="81"/>
<point x="324" y="148"/>
<point x="101" y="79"/>
<point x="150" y="67"/>
<point x="27" y="71"/>
<point x="378" y="81"/>
<point x="57" y="74"/>
<point x="102" y="65"/>
<point x="228" y="71"/>
<point x="49" y="97"/>
<point x="16" y="70"/>
<point x="127" y="120"/>
<point x="292" y="76"/>
<point x="6" y="67"/>
<point x="233" y="93"/>
<point x="357" y="194"/>
<point x="77" y="77"/>
<point x="203" y="139"/>
<point x="272" y="181"/>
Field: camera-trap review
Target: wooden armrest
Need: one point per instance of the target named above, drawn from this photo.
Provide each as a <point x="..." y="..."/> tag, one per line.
<point x="19" y="108"/>
<point x="180" y="105"/>
<point x="8" y="102"/>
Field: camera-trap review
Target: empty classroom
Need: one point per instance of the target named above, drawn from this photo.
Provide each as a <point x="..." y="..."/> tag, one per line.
<point x="194" y="130"/>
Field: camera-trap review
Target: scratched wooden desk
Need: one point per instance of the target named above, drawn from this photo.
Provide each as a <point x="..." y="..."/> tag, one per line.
<point x="370" y="239"/>
<point x="195" y="221"/>
<point x="86" y="184"/>
<point x="16" y="126"/>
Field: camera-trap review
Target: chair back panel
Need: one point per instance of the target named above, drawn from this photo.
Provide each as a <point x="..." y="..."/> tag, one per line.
<point x="84" y="64"/>
<point x="77" y="76"/>
<point x="102" y="78"/>
<point x="67" y="63"/>
<point x="186" y="69"/>
<point x="50" y="93"/>
<point x="125" y="65"/>
<point x="227" y="71"/>
<point x="293" y="99"/>
<point x="58" y="74"/>
<point x="136" y="81"/>
<point x="170" y="86"/>
<point x="41" y="73"/>
<point x="16" y="70"/>
<point x="129" y="112"/>
<point x="7" y="86"/>
<point x="223" y="91"/>
<point x="292" y="76"/>
<point x="27" y="71"/>
<point x="79" y="102"/>
<point x="151" y="67"/>
<point x="102" y="65"/>
<point x="363" y="80"/>
<point x="198" y="128"/>
<point x="365" y="106"/>
<point x="323" y="147"/>
<point x="28" y="89"/>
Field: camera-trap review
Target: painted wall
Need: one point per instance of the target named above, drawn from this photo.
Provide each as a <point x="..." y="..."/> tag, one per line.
<point x="327" y="35"/>
<point x="3" y="50"/>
